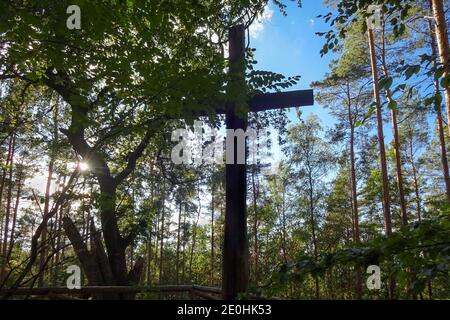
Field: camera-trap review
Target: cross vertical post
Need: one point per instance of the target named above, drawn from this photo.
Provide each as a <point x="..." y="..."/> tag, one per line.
<point x="235" y="266"/>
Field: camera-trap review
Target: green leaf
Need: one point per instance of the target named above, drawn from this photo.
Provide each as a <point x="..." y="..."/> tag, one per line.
<point x="428" y="101"/>
<point x="411" y="70"/>
<point x="392" y="105"/>
<point x="445" y="82"/>
<point x="385" y="83"/>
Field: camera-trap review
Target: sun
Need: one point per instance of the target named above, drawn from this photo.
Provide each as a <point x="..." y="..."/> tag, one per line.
<point x="83" y="166"/>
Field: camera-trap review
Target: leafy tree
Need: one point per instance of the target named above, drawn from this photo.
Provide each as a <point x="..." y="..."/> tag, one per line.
<point x="311" y="158"/>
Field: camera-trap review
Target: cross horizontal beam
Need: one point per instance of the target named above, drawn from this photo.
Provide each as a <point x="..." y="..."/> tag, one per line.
<point x="278" y="100"/>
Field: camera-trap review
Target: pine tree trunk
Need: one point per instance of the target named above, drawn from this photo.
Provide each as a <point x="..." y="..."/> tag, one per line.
<point x="183" y="274"/>
<point x="430" y="289"/>
<point x="157" y="242"/>
<point x="398" y="161"/>
<point x="356" y="235"/>
<point x="443" y="148"/>
<point x="16" y="209"/>
<point x="8" y="208"/>
<point x="43" y="249"/>
<point x="149" y="259"/>
<point x="438" y="110"/>
<point x="416" y="186"/>
<point x="211" y="280"/>
<point x="52" y="155"/>
<point x="313" y="229"/>
<point x="150" y="230"/>
<point x="383" y="164"/>
<point x="284" y="232"/>
<point x="398" y="168"/>
<point x="161" y="248"/>
<point x="59" y="237"/>
<point x="255" y="227"/>
<point x="194" y="235"/>
<point x="178" y="243"/>
<point x="442" y="43"/>
<point x="2" y="186"/>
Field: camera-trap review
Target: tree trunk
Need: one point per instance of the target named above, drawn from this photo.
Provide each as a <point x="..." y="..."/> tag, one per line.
<point x="430" y="290"/>
<point x="150" y="229"/>
<point x="383" y="164"/>
<point x="52" y="155"/>
<point x="313" y="228"/>
<point x="161" y="247"/>
<point x="211" y="280"/>
<point x="283" y="224"/>
<point x="398" y="161"/>
<point x="87" y="259"/>
<point x="178" y="244"/>
<point x="43" y="254"/>
<point x="2" y="186"/>
<point x="220" y="240"/>
<point x="149" y="258"/>
<point x="37" y="235"/>
<point x="442" y="43"/>
<point x="183" y="274"/>
<point x="255" y="226"/>
<point x="356" y="235"/>
<point x="115" y="243"/>
<point x="8" y="208"/>
<point x="398" y="168"/>
<point x="16" y="209"/>
<point x="438" y="110"/>
<point x="98" y="251"/>
<point x="416" y="187"/>
<point x="59" y="236"/>
<point x="194" y="234"/>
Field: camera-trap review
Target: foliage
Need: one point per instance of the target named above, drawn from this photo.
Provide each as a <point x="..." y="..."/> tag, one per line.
<point x="421" y="247"/>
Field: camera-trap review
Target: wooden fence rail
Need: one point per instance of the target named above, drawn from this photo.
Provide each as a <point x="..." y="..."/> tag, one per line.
<point x="193" y="290"/>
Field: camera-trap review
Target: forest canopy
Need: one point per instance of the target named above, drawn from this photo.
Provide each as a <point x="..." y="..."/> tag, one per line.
<point x="87" y="116"/>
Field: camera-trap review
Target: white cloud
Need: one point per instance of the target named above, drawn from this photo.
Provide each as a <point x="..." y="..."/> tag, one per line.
<point x="312" y="22"/>
<point x="257" y="27"/>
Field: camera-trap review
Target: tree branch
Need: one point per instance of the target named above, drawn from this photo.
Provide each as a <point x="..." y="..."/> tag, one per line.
<point x="87" y="259"/>
<point x="132" y="158"/>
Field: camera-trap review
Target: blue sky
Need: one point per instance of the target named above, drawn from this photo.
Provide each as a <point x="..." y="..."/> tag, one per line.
<point x="289" y="45"/>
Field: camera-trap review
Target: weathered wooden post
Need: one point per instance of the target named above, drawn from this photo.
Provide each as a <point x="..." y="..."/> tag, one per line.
<point x="235" y="249"/>
<point x="235" y="269"/>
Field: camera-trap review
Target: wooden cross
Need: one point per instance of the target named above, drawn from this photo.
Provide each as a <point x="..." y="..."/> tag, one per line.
<point x="235" y="268"/>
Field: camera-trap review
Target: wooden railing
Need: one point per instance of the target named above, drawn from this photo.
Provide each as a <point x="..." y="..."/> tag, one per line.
<point x="194" y="292"/>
